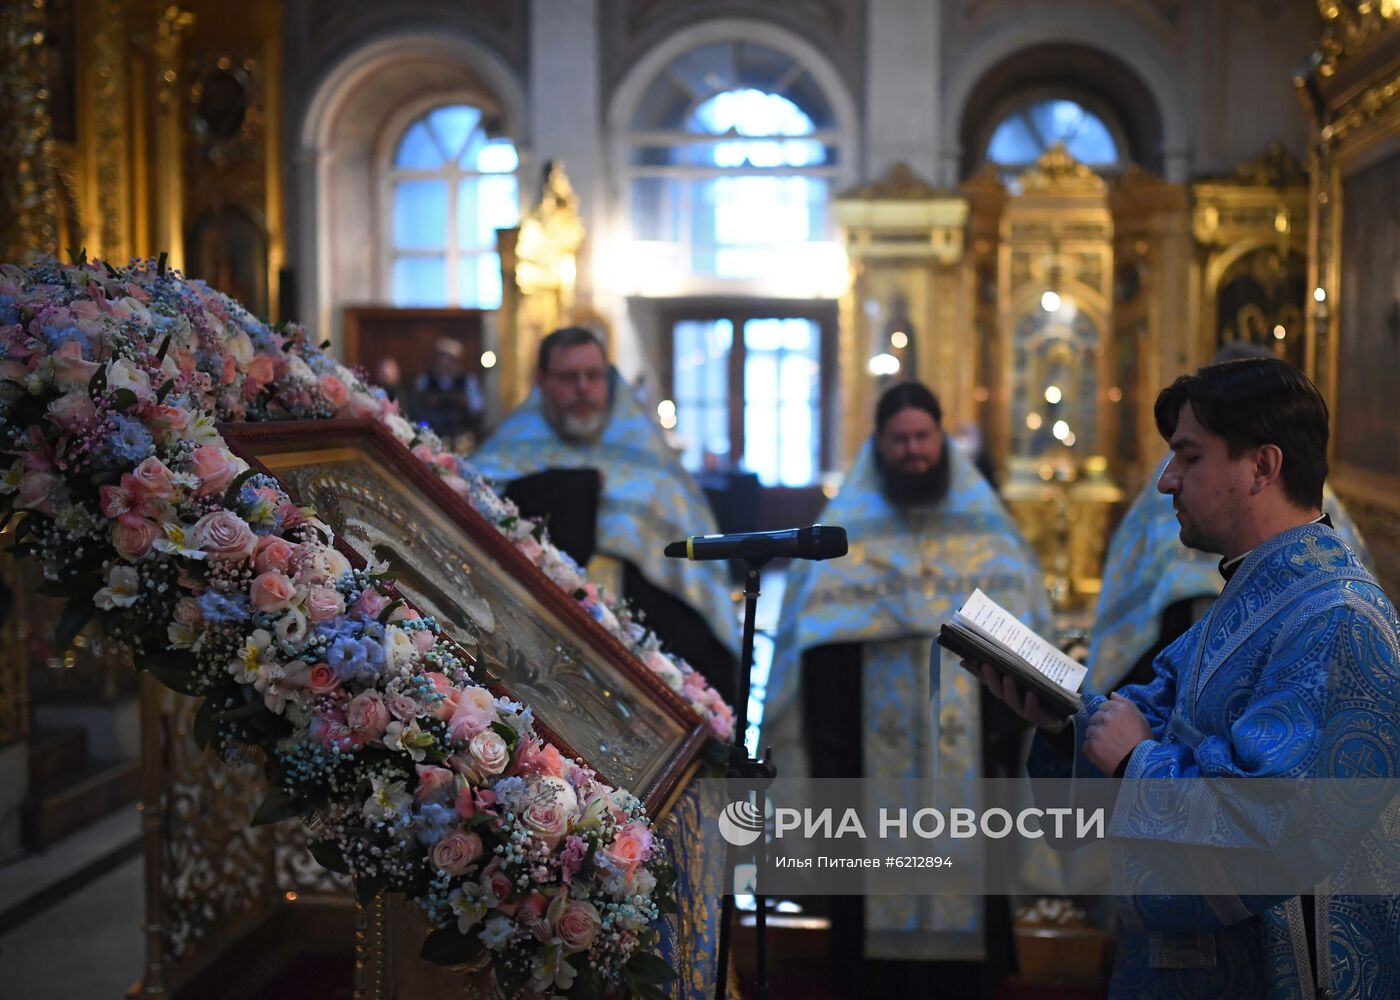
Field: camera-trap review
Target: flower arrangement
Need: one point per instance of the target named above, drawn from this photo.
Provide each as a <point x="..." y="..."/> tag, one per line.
<point x="412" y="777"/>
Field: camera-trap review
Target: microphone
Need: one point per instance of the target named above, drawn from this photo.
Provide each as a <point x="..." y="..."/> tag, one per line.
<point x="820" y="541"/>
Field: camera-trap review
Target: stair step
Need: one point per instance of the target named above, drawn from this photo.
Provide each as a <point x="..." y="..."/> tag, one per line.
<point x="54" y="753"/>
<point x="97" y="790"/>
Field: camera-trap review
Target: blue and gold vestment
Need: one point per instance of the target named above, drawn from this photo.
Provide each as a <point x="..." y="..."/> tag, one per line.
<point x="1148" y="569"/>
<point x="908" y="570"/>
<point x="1294" y="673"/>
<point x="648" y="500"/>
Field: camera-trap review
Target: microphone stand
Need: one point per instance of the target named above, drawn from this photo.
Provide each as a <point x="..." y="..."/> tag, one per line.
<point x="744" y="767"/>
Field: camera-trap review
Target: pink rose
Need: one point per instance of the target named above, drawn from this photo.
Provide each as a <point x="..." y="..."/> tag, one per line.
<point x="260" y="372"/>
<point x="552" y="807"/>
<point x="271" y="591"/>
<point x="423" y="640"/>
<point x="216" y="467"/>
<point x="35" y="492"/>
<point x="367" y="715"/>
<point x="629" y="848"/>
<point x="402" y="707"/>
<point x="434" y="783"/>
<point x="230" y="370"/>
<point x="458" y="485"/>
<point x="575" y="923"/>
<point x="488" y="754"/>
<point x="225" y="535"/>
<point x="329" y="730"/>
<point x="371" y="602"/>
<point x="166" y="418"/>
<point x="321" y="679"/>
<point x="71" y="410"/>
<point x="362" y="405"/>
<point x="71" y="371"/>
<point x="476" y="709"/>
<point x="323" y="603"/>
<point x="498" y="884"/>
<point x="290" y="514"/>
<point x="334" y="390"/>
<point x="423" y="453"/>
<point x="536" y="758"/>
<point x="133" y="538"/>
<point x="457" y="852"/>
<point x="273" y="553"/>
<point x="155" y="478"/>
<point x="187" y="611"/>
<point x="530" y="548"/>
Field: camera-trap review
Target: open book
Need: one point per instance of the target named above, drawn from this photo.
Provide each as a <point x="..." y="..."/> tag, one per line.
<point x="985" y="631"/>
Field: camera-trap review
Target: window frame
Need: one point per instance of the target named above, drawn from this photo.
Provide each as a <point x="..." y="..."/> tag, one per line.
<point x="386" y="174"/>
<point x="1023" y="100"/>
<point x="822" y="312"/>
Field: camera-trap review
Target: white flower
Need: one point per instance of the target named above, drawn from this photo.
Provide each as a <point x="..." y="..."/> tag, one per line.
<point x="400" y="428"/>
<point x="469" y="909"/>
<point x="181" y="636"/>
<point x="408" y="739"/>
<point x="122" y="590"/>
<point x="256" y="664"/>
<point x="241" y="348"/>
<point x="122" y="374"/>
<point x="387" y="799"/>
<point x="551" y="970"/>
<point x="497" y="933"/>
<point x="299" y="369"/>
<point x="292" y="627"/>
<point x="9" y="482"/>
<point x="399" y="651"/>
<point x="178" y="540"/>
<point x="202" y="431"/>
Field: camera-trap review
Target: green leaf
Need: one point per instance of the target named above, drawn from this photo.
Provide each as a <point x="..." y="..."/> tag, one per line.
<point x="164" y="390"/>
<point x="647" y="969"/>
<point x="329" y="856"/>
<point x="76" y="614"/>
<point x="160" y="264"/>
<point x="588" y="985"/>
<point x="279" y="805"/>
<point x="164" y="346"/>
<point x="111" y="271"/>
<point x="231" y="494"/>
<point x="124" y="399"/>
<point x="448" y="946"/>
<point x="367" y="888"/>
<point x="206" y="729"/>
<point x="79" y="256"/>
<point x="390" y="608"/>
<point x="98" y="382"/>
<point x="508" y="734"/>
<point x="173" y="669"/>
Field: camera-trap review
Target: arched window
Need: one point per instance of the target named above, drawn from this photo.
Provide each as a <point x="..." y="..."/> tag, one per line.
<point x="731" y="157"/>
<point x="1033" y="126"/>
<point x="451" y="185"/>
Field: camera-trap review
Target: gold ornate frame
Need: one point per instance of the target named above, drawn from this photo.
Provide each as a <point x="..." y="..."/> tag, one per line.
<point x="590" y="695"/>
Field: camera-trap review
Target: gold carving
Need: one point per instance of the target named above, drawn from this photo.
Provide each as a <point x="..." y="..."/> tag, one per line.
<point x="1058" y="171"/>
<point x="539" y="264"/>
<point x="29" y="221"/>
<point x="1276" y="168"/>
<point x="900" y="183"/>
<point x="1349" y="27"/>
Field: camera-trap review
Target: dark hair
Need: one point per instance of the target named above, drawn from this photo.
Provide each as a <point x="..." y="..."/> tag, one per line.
<point x="1238" y="350"/>
<point x="567" y="336"/>
<point x="1255" y="402"/>
<point x="902" y="397"/>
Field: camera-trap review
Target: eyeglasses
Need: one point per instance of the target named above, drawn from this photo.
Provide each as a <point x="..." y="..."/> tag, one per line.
<point x="581" y="376"/>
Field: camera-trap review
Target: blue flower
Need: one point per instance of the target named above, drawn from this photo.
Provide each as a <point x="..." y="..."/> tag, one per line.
<point x="344" y="655"/>
<point x="218" y="608"/>
<point x="57" y="336"/>
<point x="132" y="442"/>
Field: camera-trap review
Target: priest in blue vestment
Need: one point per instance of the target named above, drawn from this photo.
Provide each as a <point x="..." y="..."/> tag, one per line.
<point x="1292" y="674"/>
<point x="1154" y="587"/>
<point x="583" y="452"/>
<point x="855" y="690"/>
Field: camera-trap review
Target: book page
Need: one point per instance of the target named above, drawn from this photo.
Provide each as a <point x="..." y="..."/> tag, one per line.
<point x="996" y="622"/>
